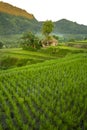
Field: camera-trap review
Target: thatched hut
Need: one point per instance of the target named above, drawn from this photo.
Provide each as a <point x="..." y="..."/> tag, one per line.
<point x="49" y="42"/>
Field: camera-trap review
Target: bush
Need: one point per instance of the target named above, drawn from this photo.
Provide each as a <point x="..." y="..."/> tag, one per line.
<point x="56" y="37"/>
<point x="30" y="41"/>
<point x="1" y="45"/>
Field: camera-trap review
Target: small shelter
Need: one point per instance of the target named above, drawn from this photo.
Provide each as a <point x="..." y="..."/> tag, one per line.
<point x="49" y="42"/>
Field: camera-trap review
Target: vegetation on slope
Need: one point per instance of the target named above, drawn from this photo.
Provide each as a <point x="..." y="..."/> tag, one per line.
<point x="19" y="21"/>
<point x="51" y="95"/>
<point x="29" y="41"/>
<point x="10" y="24"/>
<point x="10" y="58"/>
<point x="64" y="26"/>
<point x="45" y="96"/>
<point x="78" y="44"/>
<point x="13" y="10"/>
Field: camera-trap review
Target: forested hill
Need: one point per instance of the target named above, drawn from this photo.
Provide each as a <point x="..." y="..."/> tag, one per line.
<point x="65" y="26"/>
<point x="10" y="24"/>
<point x="14" y="20"/>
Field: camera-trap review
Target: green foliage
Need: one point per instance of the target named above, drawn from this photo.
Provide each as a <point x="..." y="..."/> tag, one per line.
<point x="77" y="44"/>
<point x="51" y="95"/>
<point x="16" y="24"/>
<point x="56" y="37"/>
<point x="65" y="26"/>
<point x="71" y="40"/>
<point x="16" y="57"/>
<point x="30" y="41"/>
<point x="11" y="41"/>
<point x="1" y="45"/>
<point x="7" y="62"/>
<point x="20" y="24"/>
<point x="47" y="27"/>
<point x="85" y="38"/>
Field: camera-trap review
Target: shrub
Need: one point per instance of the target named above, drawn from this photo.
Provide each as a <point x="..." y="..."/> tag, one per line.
<point x="1" y="45"/>
<point x="30" y="41"/>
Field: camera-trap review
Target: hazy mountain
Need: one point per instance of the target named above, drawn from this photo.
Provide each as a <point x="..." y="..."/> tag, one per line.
<point x="68" y="27"/>
<point x="14" y="20"/>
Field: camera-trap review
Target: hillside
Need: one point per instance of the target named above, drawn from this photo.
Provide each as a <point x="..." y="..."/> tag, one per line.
<point x="16" y="57"/>
<point x="14" y="20"/>
<point x="7" y="8"/>
<point x="10" y="24"/>
<point x="65" y="26"/>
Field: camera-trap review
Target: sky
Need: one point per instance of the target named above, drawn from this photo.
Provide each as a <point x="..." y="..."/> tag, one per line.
<point x="73" y="10"/>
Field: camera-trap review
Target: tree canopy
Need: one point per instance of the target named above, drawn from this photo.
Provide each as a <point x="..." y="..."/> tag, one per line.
<point x="47" y="27"/>
<point x="30" y="41"/>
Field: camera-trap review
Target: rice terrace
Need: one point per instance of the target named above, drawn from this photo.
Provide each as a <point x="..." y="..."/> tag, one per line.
<point x="43" y="77"/>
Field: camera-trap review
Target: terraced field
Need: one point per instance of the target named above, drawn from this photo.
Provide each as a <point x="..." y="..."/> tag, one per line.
<point x="45" y="96"/>
<point x="10" y="58"/>
<point x="16" y="57"/>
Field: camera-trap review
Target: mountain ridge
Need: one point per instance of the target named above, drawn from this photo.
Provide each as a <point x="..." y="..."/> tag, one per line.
<point x="67" y="26"/>
<point x="19" y="21"/>
<point x="13" y="10"/>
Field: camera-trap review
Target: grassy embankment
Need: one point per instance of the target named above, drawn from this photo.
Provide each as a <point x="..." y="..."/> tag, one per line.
<point x="10" y="58"/>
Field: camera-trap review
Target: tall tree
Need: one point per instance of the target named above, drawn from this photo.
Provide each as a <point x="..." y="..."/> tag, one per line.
<point x="47" y="27"/>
